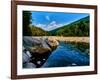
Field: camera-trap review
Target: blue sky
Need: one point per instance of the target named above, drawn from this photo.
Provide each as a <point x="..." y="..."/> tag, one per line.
<point x="52" y="20"/>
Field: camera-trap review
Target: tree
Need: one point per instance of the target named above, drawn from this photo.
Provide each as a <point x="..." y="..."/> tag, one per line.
<point x="26" y="23"/>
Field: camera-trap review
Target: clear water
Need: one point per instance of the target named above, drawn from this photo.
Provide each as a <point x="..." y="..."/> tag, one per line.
<point x="67" y="55"/>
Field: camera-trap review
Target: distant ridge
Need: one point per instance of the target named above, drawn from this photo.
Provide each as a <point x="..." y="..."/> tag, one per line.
<point x="77" y="28"/>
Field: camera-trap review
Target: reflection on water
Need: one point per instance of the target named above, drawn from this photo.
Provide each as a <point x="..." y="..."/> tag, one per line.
<point x="69" y="54"/>
<point x="66" y="54"/>
<point x="83" y="47"/>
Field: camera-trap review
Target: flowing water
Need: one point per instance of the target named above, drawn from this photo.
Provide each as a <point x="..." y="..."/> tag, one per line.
<point x="67" y="54"/>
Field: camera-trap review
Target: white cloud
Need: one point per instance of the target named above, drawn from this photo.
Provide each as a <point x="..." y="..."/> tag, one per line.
<point x="40" y="25"/>
<point x="53" y="25"/>
<point x="47" y="17"/>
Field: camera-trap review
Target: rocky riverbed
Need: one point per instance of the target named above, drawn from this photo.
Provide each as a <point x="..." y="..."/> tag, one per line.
<point x="36" y="50"/>
<point x="50" y="52"/>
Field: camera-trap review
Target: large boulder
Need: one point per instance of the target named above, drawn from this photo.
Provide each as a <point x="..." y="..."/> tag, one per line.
<point x="52" y="43"/>
<point x="37" y="50"/>
<point x="39" y="45"/>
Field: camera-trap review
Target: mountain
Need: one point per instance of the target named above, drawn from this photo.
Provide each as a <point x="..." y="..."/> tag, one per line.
<point x="77" y="28"/>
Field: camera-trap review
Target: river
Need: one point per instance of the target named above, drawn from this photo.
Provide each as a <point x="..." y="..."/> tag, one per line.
<point x="67" y="54"/>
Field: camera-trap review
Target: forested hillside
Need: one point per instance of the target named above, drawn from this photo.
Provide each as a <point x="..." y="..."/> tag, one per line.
<point x="78" y="28"/>
<point x="36" y="31"/>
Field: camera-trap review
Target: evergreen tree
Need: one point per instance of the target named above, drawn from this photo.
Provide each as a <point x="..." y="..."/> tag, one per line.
<point x="26" y="23"/>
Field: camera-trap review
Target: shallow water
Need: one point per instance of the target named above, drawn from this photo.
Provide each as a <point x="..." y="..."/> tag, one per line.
<point x="67" y="54"/>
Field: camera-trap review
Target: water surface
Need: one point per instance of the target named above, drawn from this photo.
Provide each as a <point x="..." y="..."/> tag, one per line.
<point x="67" y="54"/>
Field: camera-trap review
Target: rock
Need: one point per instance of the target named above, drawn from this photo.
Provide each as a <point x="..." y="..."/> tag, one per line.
<point x="39" y="45"/>
<point x="26" y="58"/>
<point x="87" y="51"/>
<point x="27" y="41"/>
<point x="52" y="43"/>
<point x="45" y="45"/>
<point x="29" y="65"/>
<point x="39" y="62"/>
<point x="39" y="50"/>
<point x="26" y="55"/>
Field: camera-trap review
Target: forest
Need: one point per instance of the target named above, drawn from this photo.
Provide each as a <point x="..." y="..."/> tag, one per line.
<point x="77" y="28"/>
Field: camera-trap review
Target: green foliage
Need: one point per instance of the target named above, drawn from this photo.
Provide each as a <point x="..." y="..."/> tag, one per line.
<point x="78" y="28"/>
<point x="36" y="31"/>
<point x="26" y="23"/>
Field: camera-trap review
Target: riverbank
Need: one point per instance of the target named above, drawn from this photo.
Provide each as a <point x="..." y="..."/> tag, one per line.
<point x="68" y="39"/>
<point x="36" y="50"/>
